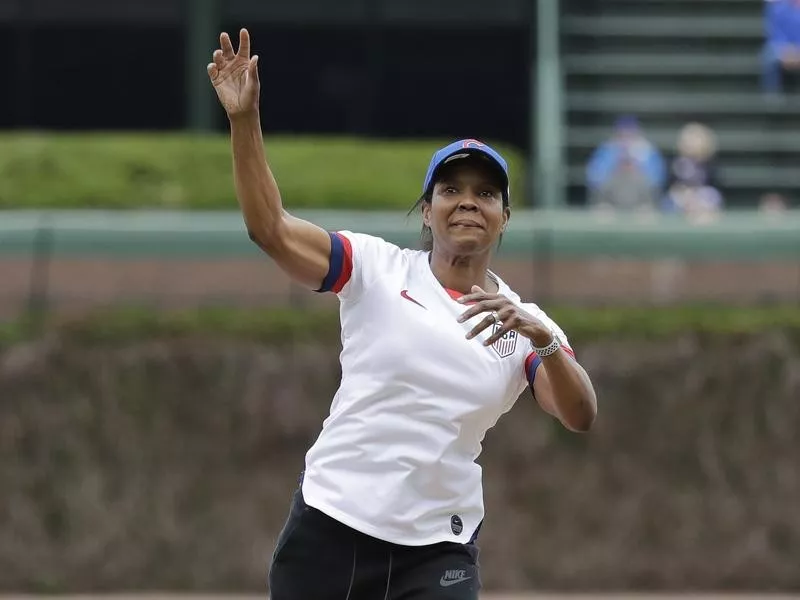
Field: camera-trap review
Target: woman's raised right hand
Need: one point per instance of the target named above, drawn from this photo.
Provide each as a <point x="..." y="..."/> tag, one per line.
<point x="234" y="76"/>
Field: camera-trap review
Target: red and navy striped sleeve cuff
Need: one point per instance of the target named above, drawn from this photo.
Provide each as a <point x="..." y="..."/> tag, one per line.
<point x="341" y="264"/>
<point x="531" y="364"/>
<point x="533" y="361"/>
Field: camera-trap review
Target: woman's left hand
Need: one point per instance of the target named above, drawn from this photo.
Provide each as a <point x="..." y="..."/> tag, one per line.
<point x="501" y="309"/>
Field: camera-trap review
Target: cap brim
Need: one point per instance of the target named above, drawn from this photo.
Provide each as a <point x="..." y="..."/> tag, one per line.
<point x="466" y="153"/>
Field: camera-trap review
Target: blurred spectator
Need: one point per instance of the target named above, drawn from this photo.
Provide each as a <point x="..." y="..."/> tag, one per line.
<point x="694" y="189"/>
<point x="626" y="172"/>
<point x="773" y="204"/>
<point x="782" y="49"/>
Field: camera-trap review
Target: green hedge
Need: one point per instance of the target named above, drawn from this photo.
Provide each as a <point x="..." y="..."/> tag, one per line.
<point x="130" y="443"/>
<point x="185" y="171"/>
<point x="289" y="324"/>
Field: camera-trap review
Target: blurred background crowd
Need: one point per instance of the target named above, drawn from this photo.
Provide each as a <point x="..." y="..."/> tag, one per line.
<point x="632" y="172"/>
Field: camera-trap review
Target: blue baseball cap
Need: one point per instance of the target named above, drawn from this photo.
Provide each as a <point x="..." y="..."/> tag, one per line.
<point x="464" y="149"/>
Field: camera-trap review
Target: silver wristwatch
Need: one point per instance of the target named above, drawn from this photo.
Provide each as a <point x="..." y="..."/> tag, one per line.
<point x="551" y="348"/>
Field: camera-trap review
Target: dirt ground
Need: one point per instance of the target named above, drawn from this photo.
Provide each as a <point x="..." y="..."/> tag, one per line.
<point x="76" y="285"/>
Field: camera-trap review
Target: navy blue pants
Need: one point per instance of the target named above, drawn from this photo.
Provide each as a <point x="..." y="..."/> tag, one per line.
<point x="773" y="74"/>
<point x="319" y="558"/>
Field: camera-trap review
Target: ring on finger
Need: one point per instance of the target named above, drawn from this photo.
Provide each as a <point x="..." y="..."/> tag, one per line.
<point x="495" y="317"/>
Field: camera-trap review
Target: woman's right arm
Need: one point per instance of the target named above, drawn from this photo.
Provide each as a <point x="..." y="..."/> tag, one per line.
<point x="302" y="250"/>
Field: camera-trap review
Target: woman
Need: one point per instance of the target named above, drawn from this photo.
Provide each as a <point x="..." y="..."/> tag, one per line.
<point x="435" y="348"/>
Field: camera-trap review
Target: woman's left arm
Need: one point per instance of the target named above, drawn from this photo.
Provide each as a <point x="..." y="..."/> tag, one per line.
<point x="563" y="388"/>
<point x="560" y="385"/>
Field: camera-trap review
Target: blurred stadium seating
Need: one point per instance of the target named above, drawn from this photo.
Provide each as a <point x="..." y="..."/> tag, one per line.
<point x="675" y="62"/>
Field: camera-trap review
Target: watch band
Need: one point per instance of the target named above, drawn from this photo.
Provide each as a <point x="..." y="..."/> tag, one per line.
<point x="551" y="348"/>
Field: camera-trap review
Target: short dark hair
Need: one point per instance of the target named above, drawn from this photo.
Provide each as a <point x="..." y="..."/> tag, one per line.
<point x="425" y="235"/>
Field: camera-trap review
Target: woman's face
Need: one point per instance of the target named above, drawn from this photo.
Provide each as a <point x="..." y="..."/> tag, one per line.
<point x="466" y="214"/>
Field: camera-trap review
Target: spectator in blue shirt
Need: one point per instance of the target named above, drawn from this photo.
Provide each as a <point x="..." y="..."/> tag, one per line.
<point x="627" y="171"/>
<point x="782" y="49"/>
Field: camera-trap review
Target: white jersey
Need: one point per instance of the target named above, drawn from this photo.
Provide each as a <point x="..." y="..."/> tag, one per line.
<point x="396" y="456"/>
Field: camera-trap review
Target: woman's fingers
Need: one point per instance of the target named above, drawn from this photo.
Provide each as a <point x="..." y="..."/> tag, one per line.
<point x="244" y="44"/>
<point x="483" y="306"/>
<point x="219" y="59"/>
<point x="252" y="68"/>
<point x="484" y="323"/>
<point x="226" y="45"/>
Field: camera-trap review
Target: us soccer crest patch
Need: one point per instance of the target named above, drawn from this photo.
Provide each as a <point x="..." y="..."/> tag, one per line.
<point x="506" y="345"/>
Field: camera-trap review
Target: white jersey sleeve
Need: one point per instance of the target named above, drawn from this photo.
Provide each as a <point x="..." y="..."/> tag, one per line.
<point x="533" y="361"/>
<point x="357" y="260"/>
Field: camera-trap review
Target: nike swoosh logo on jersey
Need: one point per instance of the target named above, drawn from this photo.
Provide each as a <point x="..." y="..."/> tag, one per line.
<point x="448" y="582"/>
<point x="405" y="295"/>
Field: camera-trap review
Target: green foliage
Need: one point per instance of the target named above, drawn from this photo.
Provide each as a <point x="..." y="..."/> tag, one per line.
<point x="286" y="324"/>
<point x="134" y="440"/>
<point x="182" y="171"/>
<point x="121" y="325"/>
<point x="651" y="322"/>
